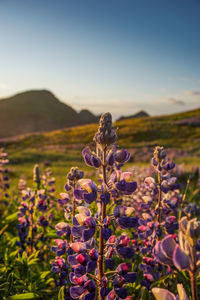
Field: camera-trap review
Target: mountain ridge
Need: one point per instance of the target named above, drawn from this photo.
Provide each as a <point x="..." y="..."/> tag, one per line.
<point x="38" y="110"/>
<point x="139" y="114"/>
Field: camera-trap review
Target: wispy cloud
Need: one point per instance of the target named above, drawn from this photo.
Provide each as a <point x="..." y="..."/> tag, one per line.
<point x="192" y="93"/>
<point x="175" y="101"/>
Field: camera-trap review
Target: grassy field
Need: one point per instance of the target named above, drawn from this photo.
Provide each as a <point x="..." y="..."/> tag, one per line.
<point x="61" y="149"/>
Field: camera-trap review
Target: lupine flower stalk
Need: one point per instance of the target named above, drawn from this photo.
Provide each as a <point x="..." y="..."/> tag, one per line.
<point x="105" y="137"/>
<point x="165" y="181"/>
<point x="33" y="215"/>
<point x="93" y="245"/>
<point x="4" y="179"/>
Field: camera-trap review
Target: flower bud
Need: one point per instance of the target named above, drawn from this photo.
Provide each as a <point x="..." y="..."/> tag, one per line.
<point x="183" y="223"/>
<point x="36" y="174"/>
<point x="105" y="135"/>
<point x="193" y="231"/>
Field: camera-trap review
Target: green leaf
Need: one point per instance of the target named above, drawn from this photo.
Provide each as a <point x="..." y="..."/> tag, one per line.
<point x="33" y="261"/>
<point x="14" y="253"/>
<point x="61" y="295"/>
<point x="23" y="296"/>
<point x="49" y="281"/>
<point x="43" y="275"/>
<point x="12" y="217"/>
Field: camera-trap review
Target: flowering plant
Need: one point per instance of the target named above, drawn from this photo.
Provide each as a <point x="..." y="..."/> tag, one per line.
<point x="92" y="242"/>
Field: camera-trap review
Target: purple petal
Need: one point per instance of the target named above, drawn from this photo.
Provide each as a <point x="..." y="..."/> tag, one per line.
<point x="119" y="211"/>
<point x="88" y="234"/>
<point x="127" y="222"/>
<point x="79" y="194"/>
<point x="90" y="285"/>
<point x="121" y="292"/>
<point x="122" y="156"/>
<point x="131" y="186"/>
<point x="91" y="266"/>
<point x="76" y="291"/>
<point x="160" y="256"/>
<point x="77" y="231"/>
<point x="110" y="263"/>
<point x="90" y="197"/>
<point x="96" y="162"/>
<point x="72" y="260"/>
<point x="71" y="276"/>
<point x="121" y="185"/>
<point x="130" y="277"/>
<point x="67" y="187"/>
<point x="110" y="159"/>
<point x="180" y="259"/>
<point x="105" y="197"/>
<point x="167" y="246"/>
<point x="79" y="271"/>
<point x="125" y="252"/>
<point x="89" y="296"/>
<point x="75" y="222"/>
<point x="106" y="233"/>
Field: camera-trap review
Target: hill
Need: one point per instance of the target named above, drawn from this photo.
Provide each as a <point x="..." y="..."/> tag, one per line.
<point x="36" y="111"/>
<point x="140" y="114"/>
<point x="179" y="133"/>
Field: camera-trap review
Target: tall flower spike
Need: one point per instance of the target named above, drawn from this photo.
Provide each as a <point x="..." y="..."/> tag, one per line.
<point x="36" y="175"/>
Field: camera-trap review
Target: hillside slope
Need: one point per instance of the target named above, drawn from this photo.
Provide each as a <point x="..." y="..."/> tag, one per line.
<point x="38" y="110"/>
<point x="147" y="132"/>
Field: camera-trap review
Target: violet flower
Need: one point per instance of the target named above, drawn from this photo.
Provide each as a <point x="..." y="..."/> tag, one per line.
<point x="90" y="158"/>
<point x="87" y="191"/>
<point x="85" y="291"/>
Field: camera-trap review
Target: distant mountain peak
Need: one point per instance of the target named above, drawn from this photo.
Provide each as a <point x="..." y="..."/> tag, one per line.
<point x="140" y="114"/>
<point x="38" y="110"/>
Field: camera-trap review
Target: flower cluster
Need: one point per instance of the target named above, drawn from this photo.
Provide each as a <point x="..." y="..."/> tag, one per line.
<point x="33" y="216"/>
<point x="108" y="242"/>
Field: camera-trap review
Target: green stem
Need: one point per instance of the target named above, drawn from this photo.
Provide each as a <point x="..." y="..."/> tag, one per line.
<point x="159" y="198"/>
<point x="101" y="241"/>
<point x="73" y="210"/>
<point x="193" y="277"/>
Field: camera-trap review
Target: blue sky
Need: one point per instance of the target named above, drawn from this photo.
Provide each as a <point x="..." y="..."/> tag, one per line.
<point x="106" y="55"/>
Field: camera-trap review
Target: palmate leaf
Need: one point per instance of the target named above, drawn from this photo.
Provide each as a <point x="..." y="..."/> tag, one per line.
<point x="23" y="296"/>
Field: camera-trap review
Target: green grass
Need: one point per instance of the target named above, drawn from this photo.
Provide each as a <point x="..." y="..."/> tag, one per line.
<point x="62" y="148"/>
